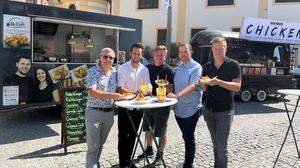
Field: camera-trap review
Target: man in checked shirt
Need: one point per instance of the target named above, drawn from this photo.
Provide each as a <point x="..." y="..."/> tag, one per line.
<point x="102" y="85"/>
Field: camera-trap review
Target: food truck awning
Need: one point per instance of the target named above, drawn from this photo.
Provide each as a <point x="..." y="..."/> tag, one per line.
<point x="80" y="23"/>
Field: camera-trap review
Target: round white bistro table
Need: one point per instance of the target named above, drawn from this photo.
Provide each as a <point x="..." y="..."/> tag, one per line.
<point x="131" y="104"/>
<point x="153" y="103"/>
<point x="292" y="92"/>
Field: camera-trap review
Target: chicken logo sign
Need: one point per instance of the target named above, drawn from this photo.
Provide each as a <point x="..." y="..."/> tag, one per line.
<point x="257" y="29"/>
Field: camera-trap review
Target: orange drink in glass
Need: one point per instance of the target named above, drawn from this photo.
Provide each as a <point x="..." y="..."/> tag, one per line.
<point x="161" y="94"/>
<point x="144" y="87"/>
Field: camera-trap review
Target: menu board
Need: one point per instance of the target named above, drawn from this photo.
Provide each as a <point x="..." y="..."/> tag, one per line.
<point x="73" y="114"/>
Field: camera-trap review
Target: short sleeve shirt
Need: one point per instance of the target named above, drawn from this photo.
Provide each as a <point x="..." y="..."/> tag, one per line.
<point x="98" y="80"/>
<point x="185" y="75"/>
<point x="219" y="99"/>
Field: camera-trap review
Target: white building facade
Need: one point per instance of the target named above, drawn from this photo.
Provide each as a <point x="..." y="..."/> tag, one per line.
<point x="189" y="16"/>
<point x="154" y="18"/>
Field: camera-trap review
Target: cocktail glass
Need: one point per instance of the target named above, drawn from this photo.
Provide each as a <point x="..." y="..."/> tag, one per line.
<point x="161" y="90"/>
<point x="161" y="82"/>
<point x="161" y="93"/>
<point x="144" y="88"/>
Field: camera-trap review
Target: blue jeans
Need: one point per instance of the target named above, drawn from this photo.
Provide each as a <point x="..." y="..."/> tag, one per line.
<point x="187" y="127"/>
<point x="219" y="124"/>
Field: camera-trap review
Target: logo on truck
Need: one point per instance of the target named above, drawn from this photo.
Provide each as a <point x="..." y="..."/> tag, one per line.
<point x="15" y="23"/>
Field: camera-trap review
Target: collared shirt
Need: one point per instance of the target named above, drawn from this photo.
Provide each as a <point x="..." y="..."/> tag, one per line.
<point x="185" y="75"/>
<point x="131" y="78"/>
<point x="218" y="99"/>
<point x="96" y="79"/>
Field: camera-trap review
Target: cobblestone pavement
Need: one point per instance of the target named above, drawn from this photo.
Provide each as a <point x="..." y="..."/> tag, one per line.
<point x="33" y="140"/>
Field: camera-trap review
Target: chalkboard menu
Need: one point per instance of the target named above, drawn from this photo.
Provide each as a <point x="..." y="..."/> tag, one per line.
<point x="73" y="114"/>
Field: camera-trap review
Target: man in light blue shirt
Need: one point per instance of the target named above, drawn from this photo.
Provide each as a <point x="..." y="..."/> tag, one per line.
<point x="187" y="77"/>
<point x="189" y="106"/>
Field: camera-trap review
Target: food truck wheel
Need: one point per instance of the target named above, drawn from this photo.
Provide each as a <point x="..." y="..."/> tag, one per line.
<point x="261" y="95"/>
<point x="246" y="95"/>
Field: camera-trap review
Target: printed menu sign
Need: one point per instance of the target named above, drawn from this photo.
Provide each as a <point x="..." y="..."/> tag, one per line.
<point x="73" y="116"/>
<point x="10" y="95"/>
<point x="16" y="31"/>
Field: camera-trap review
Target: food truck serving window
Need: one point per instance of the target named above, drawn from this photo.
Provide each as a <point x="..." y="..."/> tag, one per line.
<point x="62" y="41"/>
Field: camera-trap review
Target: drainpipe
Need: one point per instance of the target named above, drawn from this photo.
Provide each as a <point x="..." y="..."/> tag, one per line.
<point x="169" y="31"/>
<point x="110" y="6"/>
<point x="1" y="26"/>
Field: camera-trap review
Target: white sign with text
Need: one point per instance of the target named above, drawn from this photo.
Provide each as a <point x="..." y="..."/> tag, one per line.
<point x="10" y="95"/>
<point x="257" y="29"/>
<point x="16" y="31"/>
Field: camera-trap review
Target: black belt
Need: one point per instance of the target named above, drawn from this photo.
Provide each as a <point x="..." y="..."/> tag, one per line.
<point x="103" y="109"/>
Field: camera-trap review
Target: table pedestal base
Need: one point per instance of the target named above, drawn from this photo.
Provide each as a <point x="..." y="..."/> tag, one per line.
<point x="288" y="130"/>
<point x="146" y="119"/>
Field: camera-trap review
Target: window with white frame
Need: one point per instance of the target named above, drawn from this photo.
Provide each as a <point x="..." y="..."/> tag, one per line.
<point x="219" y="2"/>
<point x="286" y="1"/>
<point x="235" y="29"/>
<point x="147" y="4"/>
<point x="161" y="36"/>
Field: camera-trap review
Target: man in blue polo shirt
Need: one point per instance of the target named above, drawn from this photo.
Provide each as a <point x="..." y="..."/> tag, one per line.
<point x="189" y="106"/>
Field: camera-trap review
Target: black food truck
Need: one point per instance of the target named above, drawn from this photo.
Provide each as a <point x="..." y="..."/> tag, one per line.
<point x="265" y="65"/>
<point x="54" y="45"/>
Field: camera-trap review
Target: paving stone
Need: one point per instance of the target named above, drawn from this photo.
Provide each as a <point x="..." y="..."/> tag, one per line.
<point x="33" y="140"/>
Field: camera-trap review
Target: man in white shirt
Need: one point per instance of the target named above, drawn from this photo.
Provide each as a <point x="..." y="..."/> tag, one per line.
<point x="130" y="76"/>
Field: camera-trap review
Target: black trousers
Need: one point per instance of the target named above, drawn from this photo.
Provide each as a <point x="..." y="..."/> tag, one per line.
<point x="187" y="127"/>
<point x="126" y="135"/>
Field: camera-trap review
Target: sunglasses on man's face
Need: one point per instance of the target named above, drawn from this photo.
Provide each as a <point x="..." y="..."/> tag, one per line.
<point x="108" y="57"/>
